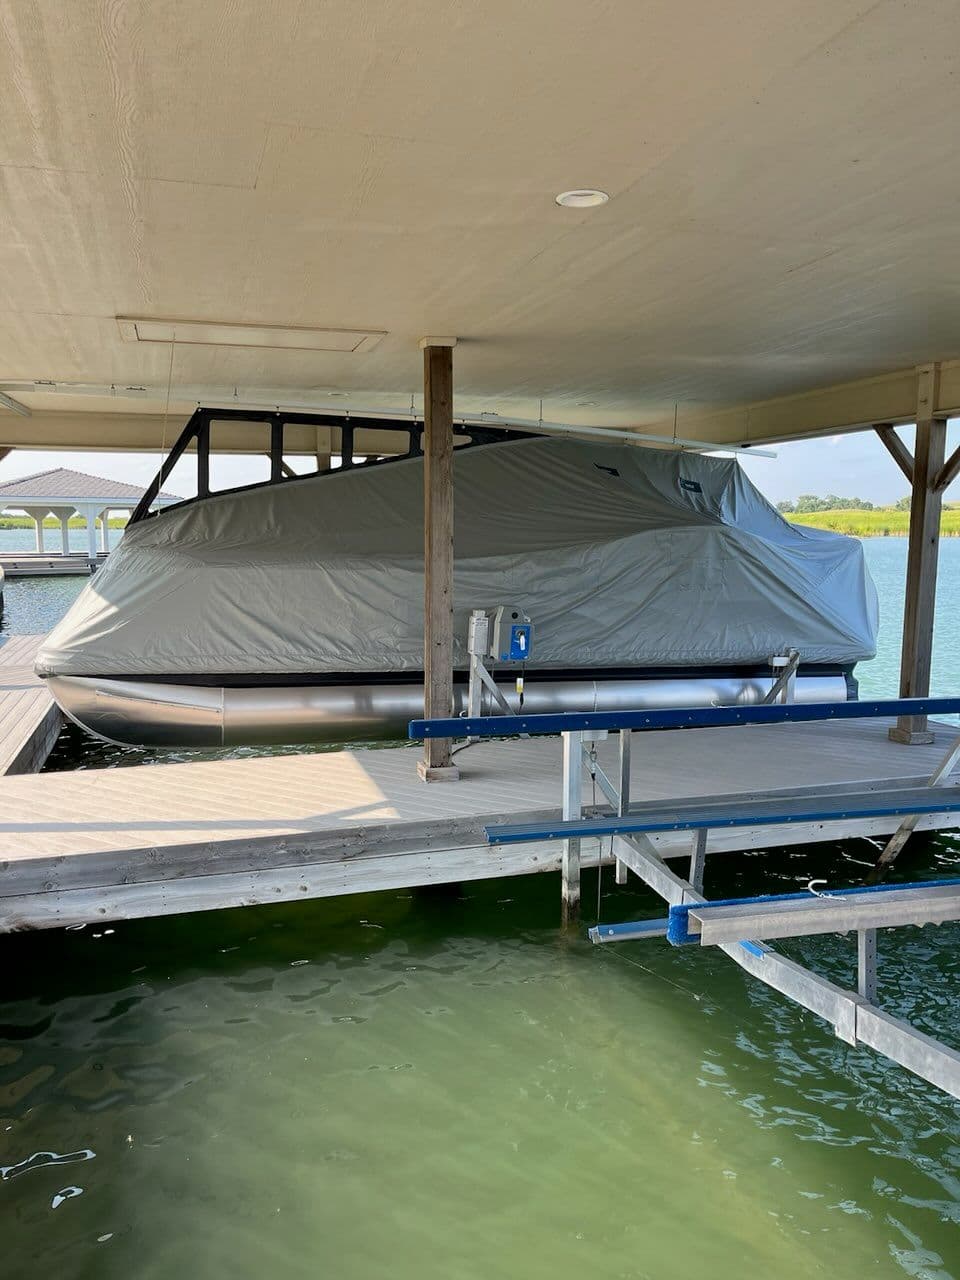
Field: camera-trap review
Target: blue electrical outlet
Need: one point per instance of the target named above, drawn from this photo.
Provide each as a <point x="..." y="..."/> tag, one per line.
<point x="521" y="635"/>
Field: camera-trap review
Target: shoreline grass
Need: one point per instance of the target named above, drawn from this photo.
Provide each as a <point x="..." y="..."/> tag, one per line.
<point x="76" y="522"/>
<point x="880" y="523"/>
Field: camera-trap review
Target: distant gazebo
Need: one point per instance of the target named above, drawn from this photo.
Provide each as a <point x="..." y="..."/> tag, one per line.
<point x="63" y="493"/>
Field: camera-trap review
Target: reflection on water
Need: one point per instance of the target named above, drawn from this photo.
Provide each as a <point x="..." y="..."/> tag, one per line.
<point x="887" y="561"/>
<point x="75" y="749"/>
<point x="437" y="1085"/>
<point x="32" y="606"/>
<point x="40" y="1160"/>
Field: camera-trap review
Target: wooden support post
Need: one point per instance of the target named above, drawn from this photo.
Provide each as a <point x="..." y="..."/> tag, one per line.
<point x="949" y="471"/>
<point x="921" y="594"/>
<point x="939" y="778"/>
<point x="897" y="449"/>
<point x="8" y="402"/>
<point x="437" y="765"/>
<point x="323" y="448"/>
<point x="285" y="468"/>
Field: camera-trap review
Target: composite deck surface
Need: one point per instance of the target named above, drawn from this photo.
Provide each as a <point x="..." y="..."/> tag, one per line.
<point x="29" y="718"/>
<point x="153" y="840"/>
<point x="37" y="564"/>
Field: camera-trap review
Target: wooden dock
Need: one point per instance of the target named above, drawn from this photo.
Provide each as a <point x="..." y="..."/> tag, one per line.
<point x="29" y="718"/>
<point x="33" y="564"/>
<point x="158" y="840"/>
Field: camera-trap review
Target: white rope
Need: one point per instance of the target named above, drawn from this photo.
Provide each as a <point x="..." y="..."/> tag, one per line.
<point x="816" y="892"/>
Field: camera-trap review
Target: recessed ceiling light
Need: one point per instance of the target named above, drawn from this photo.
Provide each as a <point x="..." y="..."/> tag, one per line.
<point x="585" y="198"/>
<point x="586" y="404"/>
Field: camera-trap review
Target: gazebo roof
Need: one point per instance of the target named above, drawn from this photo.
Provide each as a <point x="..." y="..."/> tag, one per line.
<point x="61" y="486"/>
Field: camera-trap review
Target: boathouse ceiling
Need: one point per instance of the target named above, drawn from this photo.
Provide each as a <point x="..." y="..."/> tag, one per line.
<point x="780" y="247"/>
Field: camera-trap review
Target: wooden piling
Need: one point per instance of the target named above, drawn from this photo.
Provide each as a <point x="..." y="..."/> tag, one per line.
<point x="437" y="764"/>
<point x="922" y="555"/>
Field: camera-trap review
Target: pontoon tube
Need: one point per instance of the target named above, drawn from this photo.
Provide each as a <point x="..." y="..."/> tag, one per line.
<point x="156" y="714"/>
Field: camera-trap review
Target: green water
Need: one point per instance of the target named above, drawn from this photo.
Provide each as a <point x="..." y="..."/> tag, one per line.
<point x="433" y="1086"/>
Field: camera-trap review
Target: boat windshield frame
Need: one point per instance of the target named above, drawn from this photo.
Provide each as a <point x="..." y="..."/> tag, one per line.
<point x="197" y="432"/>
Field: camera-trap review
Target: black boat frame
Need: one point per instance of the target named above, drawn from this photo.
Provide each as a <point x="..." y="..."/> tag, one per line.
<point x="197" y="432"/>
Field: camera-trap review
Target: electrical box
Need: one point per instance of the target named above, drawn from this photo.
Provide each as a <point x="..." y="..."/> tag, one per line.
<point x="478" y="639"/>
<point x="511" y="635"/>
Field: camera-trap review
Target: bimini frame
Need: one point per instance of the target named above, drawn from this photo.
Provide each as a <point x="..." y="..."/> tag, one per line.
<point x="197" y="433"/>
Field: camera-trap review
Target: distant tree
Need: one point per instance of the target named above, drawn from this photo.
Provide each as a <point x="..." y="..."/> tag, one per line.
<point x="786" y="506"/>
<point x="809" y="502"/>
<point x="903" y="504"/>
<point x="846" y="504"/>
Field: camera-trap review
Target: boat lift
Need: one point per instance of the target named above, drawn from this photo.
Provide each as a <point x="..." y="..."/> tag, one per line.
<point x="742" y="928"/>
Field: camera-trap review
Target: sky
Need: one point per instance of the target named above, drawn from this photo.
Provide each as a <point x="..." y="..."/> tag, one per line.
<point x="855" y="465"/>
<point x="852" y="466"/>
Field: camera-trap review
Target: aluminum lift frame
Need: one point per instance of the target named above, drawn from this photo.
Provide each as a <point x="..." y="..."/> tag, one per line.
<point x="739" y="927"/>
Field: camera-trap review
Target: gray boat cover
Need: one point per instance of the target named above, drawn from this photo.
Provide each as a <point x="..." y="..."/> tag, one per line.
<point x="623" y="557"/>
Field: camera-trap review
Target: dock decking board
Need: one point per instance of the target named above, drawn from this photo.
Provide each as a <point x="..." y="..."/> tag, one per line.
<point x="31" y="564"/>
<point x="29" y="718"/>
<point x="19" y="651"/>
<point x="160" y="839"/>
